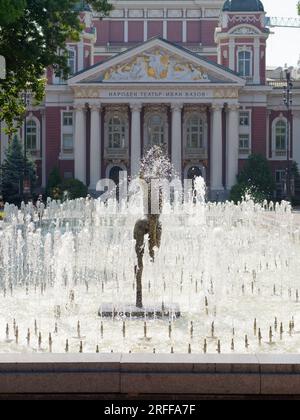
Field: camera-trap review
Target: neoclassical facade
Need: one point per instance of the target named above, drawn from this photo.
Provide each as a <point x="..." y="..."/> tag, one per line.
<point x="189" y="76"/>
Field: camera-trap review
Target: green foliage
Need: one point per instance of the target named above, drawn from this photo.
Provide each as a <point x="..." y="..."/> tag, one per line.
<point x="54" y="181"/>
<point x="33" y="37"/>
<point x="14" y="169"/>
<point x="11" y="10"/>
<point x="256" y="179"/>
<point x="60" y="189"/>
<point x="73" y="188"/>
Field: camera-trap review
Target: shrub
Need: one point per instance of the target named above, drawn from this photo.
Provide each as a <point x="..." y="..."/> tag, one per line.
<point x="256" y="179"/>
<point x="53" y="184"/>
<point x="74" y="189"/>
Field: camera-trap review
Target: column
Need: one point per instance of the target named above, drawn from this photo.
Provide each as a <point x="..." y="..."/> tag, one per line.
<point x="43" y="145"/>
<point x="145" y="25"/>
<point x="80" y="144"/>
<point x="126" y="26"/>
<point x="80" y="55"/>
<point x="231" y="54"/>
<point x="184" y="27"/>
<point x="95" y="147"/>
<point x="216" y="158"/>
<point x="232" y="158"/>
<point x="165" y="25"/>
<point x="256" y="75"/>
<point x="177" y="139"/>
<point x="135" y="138"/>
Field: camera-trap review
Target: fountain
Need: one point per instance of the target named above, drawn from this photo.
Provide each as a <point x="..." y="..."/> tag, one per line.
<point x="219" y="266"/>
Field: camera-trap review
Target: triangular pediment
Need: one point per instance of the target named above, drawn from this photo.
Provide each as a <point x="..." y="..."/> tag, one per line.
<point x="157" y="61"/>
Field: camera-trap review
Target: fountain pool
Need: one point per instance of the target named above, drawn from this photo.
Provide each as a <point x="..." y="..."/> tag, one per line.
<point x="232" y="270"/>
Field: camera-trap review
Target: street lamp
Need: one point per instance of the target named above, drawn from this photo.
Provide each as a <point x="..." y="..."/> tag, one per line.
<point x="288" y="101"/>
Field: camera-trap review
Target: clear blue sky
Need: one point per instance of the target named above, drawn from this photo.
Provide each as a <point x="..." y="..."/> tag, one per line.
<point x="284" y="45"/>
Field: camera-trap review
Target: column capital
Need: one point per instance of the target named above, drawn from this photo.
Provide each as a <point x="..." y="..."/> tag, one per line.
<point x="79" y="107"/>
<point x="234" y="107"/>
<point x="217" y="107"/>
<point x="136" y="107"/>
<point x="95" y="107"/>
<point x="176" y="107"/>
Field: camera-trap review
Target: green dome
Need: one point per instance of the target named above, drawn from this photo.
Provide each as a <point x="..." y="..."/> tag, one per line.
<point x="243" y="6"/>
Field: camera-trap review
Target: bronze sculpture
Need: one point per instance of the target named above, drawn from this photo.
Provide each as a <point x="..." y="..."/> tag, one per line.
<point x="155" y="166"/>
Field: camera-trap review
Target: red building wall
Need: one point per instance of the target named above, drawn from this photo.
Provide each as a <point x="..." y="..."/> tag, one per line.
<point x="136" y="31"/>
<point x="194" y="31"/>
<point x="174" y="31"/>
<point x="155" y="28"/>
<point x="259" y="130"/>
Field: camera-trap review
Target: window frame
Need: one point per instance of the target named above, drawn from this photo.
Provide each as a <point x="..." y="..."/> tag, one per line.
<point x="280" y="154"/>
<point x="121" y="132"/>
<point x="35" y="153"/>
<point x="67" y="154"/>
<point x="245" y="50"/>
<point x="200" y="133"/>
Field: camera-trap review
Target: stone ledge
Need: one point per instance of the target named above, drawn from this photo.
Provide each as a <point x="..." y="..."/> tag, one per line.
<point x="150" y="374"/>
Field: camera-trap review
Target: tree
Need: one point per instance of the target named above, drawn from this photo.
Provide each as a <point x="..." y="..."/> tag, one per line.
<point x="11" y="10"/>
<point x="256" y="179"/>
<point x="14" y="169"/>
<point x="33" y="36"/>
<point x="54" y="181"/>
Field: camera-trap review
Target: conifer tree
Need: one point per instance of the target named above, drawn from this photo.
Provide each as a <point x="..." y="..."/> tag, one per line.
<point x="14" y="170"/>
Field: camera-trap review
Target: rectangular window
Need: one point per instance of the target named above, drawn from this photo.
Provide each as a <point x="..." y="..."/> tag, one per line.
<point x="280" y="176"/>
<point x="68" y="144"/>
<point x="71" y="62"/>
<point x="244" y="119"/>
<point x="68" y="119"/>
<point x="244" y="144"/>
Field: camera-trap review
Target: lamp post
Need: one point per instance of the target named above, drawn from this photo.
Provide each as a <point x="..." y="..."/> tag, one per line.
<point x="288" y="101"/>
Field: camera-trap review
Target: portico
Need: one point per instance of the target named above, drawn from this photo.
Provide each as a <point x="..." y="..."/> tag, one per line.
<point x="188" y="107"/>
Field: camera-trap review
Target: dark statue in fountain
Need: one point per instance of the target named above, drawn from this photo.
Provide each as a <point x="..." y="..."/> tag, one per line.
<point x="155" y="166"/>
<point x="150" y="225"/>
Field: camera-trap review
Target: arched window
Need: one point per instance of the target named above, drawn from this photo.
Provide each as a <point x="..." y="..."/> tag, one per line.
<point x="195" y="132"/>
<point x="244" y="63"/>
<point x="116" y="132"/>
<point x="31" y="136"/>
<point x="156" y="130"/>
<point x="280" y="136"/>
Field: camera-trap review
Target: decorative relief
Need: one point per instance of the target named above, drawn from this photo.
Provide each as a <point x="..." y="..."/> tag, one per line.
<point x="226" y="93"/>
<point x="136" y="13"/>
<point x="159" y="13"/>
<point x="244" y="19"/>
<point x="194" y="13"/>
<point x="86" y="92"/>
<point x="244" y="31"/>
<point x="190" y="109"/>
<point x="175" y="13"/>
<point x="210" y="13"/>
<point x="156" y="65"/>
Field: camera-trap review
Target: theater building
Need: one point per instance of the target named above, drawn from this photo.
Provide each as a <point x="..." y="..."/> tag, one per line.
<point x="189" y="75"/>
